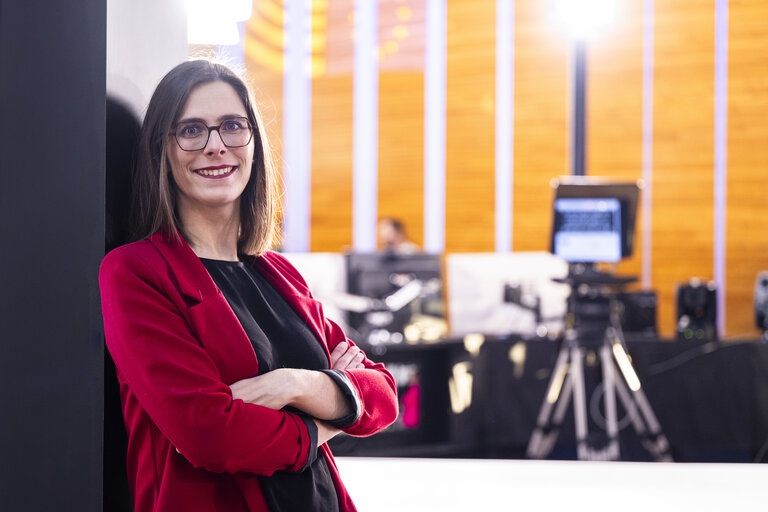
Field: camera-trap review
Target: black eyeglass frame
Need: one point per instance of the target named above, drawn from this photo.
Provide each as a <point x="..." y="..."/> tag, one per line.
<point x="218" y="129"/>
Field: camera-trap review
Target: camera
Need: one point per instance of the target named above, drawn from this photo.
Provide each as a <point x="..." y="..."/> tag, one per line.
<point x="697" y="311"/>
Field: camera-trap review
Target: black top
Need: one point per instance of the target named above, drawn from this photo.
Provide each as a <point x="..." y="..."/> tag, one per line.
<point x="281" y="339"/>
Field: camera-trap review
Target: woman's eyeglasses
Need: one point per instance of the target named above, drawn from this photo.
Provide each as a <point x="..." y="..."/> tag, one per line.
<point x="193" y="135"/>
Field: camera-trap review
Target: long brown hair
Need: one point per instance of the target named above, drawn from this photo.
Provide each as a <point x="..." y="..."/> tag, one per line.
<point x="154" y="205"/>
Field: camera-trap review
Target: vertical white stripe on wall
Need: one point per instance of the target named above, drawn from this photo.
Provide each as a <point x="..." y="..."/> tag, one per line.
<point x="721" y="154"/>
<point x="434" y="126"/>
<point x="366" y="127"/>
<point x="297" y="124"/>
<point x="647" y="192"/>
<point x="505" y="94"/>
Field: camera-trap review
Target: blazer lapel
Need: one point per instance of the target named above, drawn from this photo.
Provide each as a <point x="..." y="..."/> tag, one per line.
<point x="192" y="279"/>
<point x="308" y="309"/>
<point x="216" y="325"/>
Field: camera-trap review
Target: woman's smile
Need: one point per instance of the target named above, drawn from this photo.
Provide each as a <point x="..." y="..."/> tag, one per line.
<point x="216" y="172"/>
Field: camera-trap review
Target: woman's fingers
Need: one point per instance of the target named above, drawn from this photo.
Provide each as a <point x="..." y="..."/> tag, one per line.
<point x="345" y="356"/>
<point x="337" y="352"/>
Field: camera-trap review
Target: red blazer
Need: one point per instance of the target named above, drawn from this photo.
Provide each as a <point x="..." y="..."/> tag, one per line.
<point x="177" y="346"/>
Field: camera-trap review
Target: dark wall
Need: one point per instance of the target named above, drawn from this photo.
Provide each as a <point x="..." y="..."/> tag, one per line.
<point x="122" y="137"/>
<point x="52" y="94"/>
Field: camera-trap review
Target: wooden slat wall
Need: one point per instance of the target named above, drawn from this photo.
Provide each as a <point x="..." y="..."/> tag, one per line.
<point x="683" y="149"/>
<point x="332" y="155"/>
<point x="540" y="124"/>
<point x="332" y="137"/>
<point x="401" y="114"/>
<point x="747" y="193"/>
<point x="268" y="98"/>
<point x="615" y="108"/>
<point x="683" y="140"/>
<point x="401" y="150"/>
<point x="263" y="62"/>
<point x="470" y="121"/>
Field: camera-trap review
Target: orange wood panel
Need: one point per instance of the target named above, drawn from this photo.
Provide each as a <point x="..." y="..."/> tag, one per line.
<point x="747" y="182"/>
<point x="332" y="127"/>
<point x="615" y="108"/>
<point x="683" y="146"/>
<point x="540" y="123"/>
<point x="332" y="162"/>
<point x="263" y="62"/>
<point x="401" y="150"/>
<point x="470" y="120"/>
<point x="401" y="114"/>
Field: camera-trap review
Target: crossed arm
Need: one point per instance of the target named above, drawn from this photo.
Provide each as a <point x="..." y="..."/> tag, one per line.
<point x="310" y="391"/>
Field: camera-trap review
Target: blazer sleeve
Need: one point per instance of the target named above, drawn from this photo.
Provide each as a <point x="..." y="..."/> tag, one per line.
<point x="177" y="384"/>
<point x="375" y="388"/>
<point x="374" y="385"/>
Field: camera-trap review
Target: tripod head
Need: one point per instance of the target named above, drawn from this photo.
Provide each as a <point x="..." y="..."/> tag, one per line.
<point x="593" y="304"/>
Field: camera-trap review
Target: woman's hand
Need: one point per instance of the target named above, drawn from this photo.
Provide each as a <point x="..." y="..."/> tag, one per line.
<point x="310" y="391"/>
<point x="274" y="389"/>
<point x="346" y="357"/>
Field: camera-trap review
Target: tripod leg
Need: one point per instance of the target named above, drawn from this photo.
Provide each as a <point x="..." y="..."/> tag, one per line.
<point x="562" y="404"/>
<point x="655" y="442"/>
<point x="558" y="395"/>
<point x="653" y="438"/>
<point x="543" y="440"/>
<point x="630" y="407"/>
<point x="579" y="403"/>
<point x="611" y="451"/>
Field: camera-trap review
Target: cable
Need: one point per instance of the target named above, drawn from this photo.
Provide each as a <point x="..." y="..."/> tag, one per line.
<point x="761" y="452"/>
<point x="682" y="358"/>
<point x="597" y="414"/>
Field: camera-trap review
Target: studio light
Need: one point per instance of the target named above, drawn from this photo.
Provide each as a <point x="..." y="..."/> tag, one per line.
<point x="214" y="22"/>
<point x="583" y="19"/>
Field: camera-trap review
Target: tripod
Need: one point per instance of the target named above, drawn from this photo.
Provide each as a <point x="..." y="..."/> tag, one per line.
<point x="593" y="323"/>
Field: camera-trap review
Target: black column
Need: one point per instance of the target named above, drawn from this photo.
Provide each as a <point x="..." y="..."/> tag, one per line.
<point x="52" y="106"/>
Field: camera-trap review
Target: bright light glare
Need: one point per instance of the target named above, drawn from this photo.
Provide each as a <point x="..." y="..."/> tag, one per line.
<point x="583" y="19"/>
<point x="215" y="21"/>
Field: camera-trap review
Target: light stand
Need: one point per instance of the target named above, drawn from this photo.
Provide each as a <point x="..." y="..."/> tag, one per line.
<point x="580" y="21"/>
<point x="579" y="108"/>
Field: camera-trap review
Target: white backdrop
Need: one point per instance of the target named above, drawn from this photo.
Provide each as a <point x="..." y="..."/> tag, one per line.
<point x="476" y="291"/>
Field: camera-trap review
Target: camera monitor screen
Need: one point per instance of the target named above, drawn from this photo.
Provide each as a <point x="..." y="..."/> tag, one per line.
<point x="593" y="219"/>
<point x="588" y="230"/>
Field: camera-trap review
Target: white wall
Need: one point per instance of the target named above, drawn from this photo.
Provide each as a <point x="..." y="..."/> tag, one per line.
<point x="145" y="39"/>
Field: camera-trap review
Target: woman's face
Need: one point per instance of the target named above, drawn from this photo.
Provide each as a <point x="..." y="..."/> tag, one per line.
<point x="215" y="176"/>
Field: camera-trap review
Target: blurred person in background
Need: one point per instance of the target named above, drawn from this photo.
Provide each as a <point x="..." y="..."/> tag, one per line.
<point x="393" y="238"/>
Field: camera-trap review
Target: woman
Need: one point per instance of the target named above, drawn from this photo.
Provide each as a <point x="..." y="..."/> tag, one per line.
<point x="232" y="380"/>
